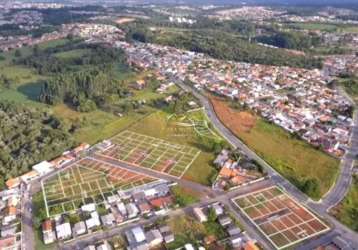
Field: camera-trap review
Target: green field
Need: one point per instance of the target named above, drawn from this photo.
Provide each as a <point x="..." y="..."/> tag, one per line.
<point x="326" y="27"/>
<point x="347" y="211"/>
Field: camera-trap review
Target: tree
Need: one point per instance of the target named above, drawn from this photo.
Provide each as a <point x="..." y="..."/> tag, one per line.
<point x="18" y="53"/>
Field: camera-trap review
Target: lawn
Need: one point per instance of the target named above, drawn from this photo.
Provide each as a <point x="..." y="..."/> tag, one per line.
<point x="156" y="125"/>
<point x="72" y="54"/>
<point x="347" y="211"/>
<point x="295" y="159"/>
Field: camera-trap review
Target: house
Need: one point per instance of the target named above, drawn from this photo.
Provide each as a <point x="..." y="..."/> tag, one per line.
<point x="79" y="228"/>
<point x="89" y="207"/>
<point x="250" y="245"/>
<point x="135" y="235"/>
<point x="236" y="241"/>
<point x="29" y="176"/>
<point x="48" y="233"/>
<point x="167" y="234"/>
<point x="60" y="161"/>
<point x="104" y="246"/>
<point x="93" y="221"/>
<point x="144" y="207"/>
<point x="189" y="247"/>
<point x="10" y="215"/>
<point x="122" y="208"/>
<point x="43" y="168"/>
<point x="8" y="231"/>
<point x="63" y="231"/>
<point x="161" y="202"/>
<point x="113" y="199"/>
<point x="218" y="209"/>
<point x="80" y="148"/>
<point x="232" y="230"/>
<point x="90" y="247"/>
<point x="199" y="214"/>
<point x="225" y="220"/>
<point x="108" y="220"/>
<point x="132" y="210"/>
<point x="13" y="183"/>
<point x="8" y="242"/>
<point x="154" y="238"/>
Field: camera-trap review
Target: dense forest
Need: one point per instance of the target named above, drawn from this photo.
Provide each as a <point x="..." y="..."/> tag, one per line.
<point x="223" y="45"/>
<point x="27" y="136"/>
<point x="46" y="62"/>
<point x="84" y="90"/>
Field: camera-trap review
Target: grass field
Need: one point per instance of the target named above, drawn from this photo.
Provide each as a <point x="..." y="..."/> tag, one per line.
<point x="96" y="125"/>
<point x="283" y="221"/>
<point x="347" y="211"/>
<point x="156" y="125"/>
<point x="85" y="182"/>
<point x="326" y="27"/>
<point x="293" y="158"/>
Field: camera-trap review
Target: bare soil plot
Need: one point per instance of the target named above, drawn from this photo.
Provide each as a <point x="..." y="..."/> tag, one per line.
<point x="150" y="152"/>
<point x="282" y="220"/>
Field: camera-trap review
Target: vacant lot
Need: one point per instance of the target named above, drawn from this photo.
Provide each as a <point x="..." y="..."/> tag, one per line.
<point x="156" y="125"/>
<point x="282" y="220"/>
<point x="347" y="211"/>
<point x="293" y="158"/>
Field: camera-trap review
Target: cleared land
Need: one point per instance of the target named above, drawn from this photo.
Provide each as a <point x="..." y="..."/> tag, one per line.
<point x="158" y="125"/>
<point x="85" y="182"/>
<point x="280" y="219"/>
<point x="347" y="211"/>
<point x="150" y="152"/>
<point x="293" y="158"/>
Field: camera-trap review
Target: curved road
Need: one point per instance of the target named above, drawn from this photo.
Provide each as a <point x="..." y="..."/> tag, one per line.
<point x="333" y="197"/>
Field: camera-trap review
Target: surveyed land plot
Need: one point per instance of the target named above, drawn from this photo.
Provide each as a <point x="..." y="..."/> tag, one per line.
<point x="88" y="181"/>
<point x="150" y="152"/>
<point x="283" y="221"/>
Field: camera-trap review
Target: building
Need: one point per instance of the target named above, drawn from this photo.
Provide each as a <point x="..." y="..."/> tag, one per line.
<point x="199" y="214"/>
<point x="225" y="220"/>
<point x="43" y="168"/>
<point x="154" y="238"/>
<point x="48" y="233"/>
<point x="13" y="183"/>
<point x="132" y="210"/>
<point x="64" y="231"/>
<point x="79" y="228"/>
<point x="108" y="220"/>
<point x="10" y="215"/>
<point x="93" y="221"/>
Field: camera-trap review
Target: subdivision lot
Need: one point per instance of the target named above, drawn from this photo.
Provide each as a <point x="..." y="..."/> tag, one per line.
<point x="150" y="152"/>
<point x="87" y="181"/>
<point x="283" y="221"/>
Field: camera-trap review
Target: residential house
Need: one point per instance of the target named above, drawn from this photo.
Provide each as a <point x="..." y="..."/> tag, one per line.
<point x="154" y="238"/>
<point x="43" y="168"/>
<point x="108" y="220"/>
<point x="64" y="231"/>
<point x="224" y="220"/>
<point x="79" y="228"/>
<point x="200" y="215"/>
<point x="93" y="221"/>
<point x="132" y="210"/>
<point x="48" y="232"/>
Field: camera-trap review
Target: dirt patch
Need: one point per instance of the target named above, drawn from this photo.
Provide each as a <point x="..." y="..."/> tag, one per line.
<point x="123" y="20"/>
<point x="237" y="121"/>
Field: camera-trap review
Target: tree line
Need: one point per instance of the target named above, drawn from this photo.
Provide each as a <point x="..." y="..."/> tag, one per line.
<point x="27" y="136"/>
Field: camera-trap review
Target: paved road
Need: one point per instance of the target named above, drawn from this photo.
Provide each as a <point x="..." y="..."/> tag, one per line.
<point x="341" y="187"/>
<point x="335" y="195"/>
<point x="223" y="198"/>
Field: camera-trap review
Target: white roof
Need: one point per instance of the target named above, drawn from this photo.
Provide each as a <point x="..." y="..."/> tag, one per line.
<point x="64" y="230"/>
<point x="189" y="247"/>
<point x="89" y="207"/>
<point x="43" y="167"/>
<point x="138" y="234"/>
